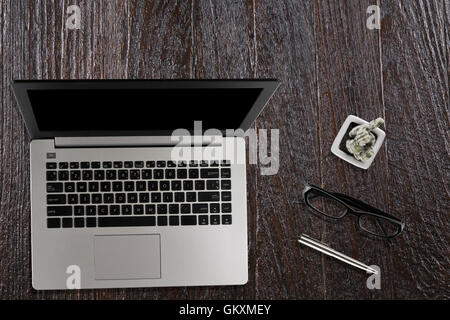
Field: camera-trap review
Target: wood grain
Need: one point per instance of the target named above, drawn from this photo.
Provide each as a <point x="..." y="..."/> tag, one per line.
<point x="329" y="64"/>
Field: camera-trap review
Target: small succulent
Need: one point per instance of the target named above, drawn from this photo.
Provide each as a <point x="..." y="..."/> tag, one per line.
<point x="362" y="140"/>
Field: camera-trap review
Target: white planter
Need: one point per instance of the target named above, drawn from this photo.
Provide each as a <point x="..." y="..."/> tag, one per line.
<point x="341" y="154"/>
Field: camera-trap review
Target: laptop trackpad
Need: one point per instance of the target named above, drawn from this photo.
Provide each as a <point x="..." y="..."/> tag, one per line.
<point x="127" y="257"/>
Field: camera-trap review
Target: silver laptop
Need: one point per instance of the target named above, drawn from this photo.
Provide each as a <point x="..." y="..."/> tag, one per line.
<point x="138" y="183"/>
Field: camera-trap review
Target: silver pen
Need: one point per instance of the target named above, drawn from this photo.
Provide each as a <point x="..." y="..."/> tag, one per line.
<point x="319" y="246"/>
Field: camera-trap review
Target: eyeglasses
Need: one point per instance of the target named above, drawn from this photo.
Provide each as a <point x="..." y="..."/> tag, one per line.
<point x="337" y="206"/>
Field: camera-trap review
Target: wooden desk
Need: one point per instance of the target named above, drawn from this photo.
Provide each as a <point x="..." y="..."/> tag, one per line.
<point x="330" y="65"/>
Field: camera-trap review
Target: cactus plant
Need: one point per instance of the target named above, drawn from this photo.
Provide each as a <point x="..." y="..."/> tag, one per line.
<point x="362" y="140"/>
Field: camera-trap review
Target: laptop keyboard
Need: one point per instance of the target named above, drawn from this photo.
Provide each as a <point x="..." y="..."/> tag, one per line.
<point x="140" y="193"/>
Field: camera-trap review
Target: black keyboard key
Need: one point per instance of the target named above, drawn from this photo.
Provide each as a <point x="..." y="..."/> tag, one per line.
<point x="200" y="208"/>
<point x="50" y="165"/>
<point x="181" y="173"/>
<point x="91" y="222"/>
<point x="182" y="164"/>
<point x="93" y="187"/>
<point x="150" y="164"/>
<point x="75" y="175"/>
<point x="99" y="174"/>
<point x="150" y="209"/>
<point x="107" y="164"/>
<point x="193" y="163"/>
<point x="53" y="187"/>
<point x="214" y="219"/>
<point x="199" y="185"/>
<point x="105" y="186"/>
<point x="226" y="196"/>
<point x="156" y="197"/>
<point x="226" y="219"/>
<point x="111" y="174"/>
<point x="64" y="211"/>
<point x="85" y="165"/>
<point x="161" y="208"/>
<point x="56" y="199"/>
<point x="81" y="186"/>
<point x="86" y="174"/>
<point x="188" y="220"/>
<point x="212" y="185"/>
<point x="132" y="197"/>
<point x="214" y="163"/>
<point x="135" y="174"/>
<point x="102" y="210"/>
<point x="91" y="210"/>
<point x="120" y="198"/>
<point x="171" y="164"/>
<point x="67" y="222"/>
<point x="126" y="221"/>
<point x="139" y="164"/>
<point x="203" y="220"/>
<point x="170" y="173"/>
<point x="95" y="165"/>
<point x="52" y="175"/>
<point x="164" y="185"/>
<point x="209" y="173"/>
<point x="63" y="175"/>
<point x="72" y="198"/>
<point x="138" y="209"/>
<point x="225" y="163"/>
<point x="78" y="211"/>
<point x="208" y="196"/>
<point x="141" y="186"/>
<point x="162" y="221"/>
<point x="167" y="196"/>
<point x="214" y="207"/>
<point x="129" y="185"/>
<point x="160" y="164"/>
<point x="144" y="197"/>
<point x="74" y="165"/>
<point x="114" y="210"/>
<point x="63" y="165"/>
<point x="126" y="209"/>
<point x="174" y="221"/>
<point x="79" y="222"/>
<point x="146" y="174"/>
<point x="85" y="198"/>
<point x="53" y="223"/>
<point x="179" y="196"/>
<point x="152" y="185"/>
<point x="226" y="207"/>
<point x="123" y="174"/>
<point x="117" y="186"/>
<point x="128" y="164"/>
<point x="158" y="174"/>
<point x="174" y="208"/>
<point x="204" y="163"/>
<point x="188" y="185"/>
<point x="226" y="184"/>
<point x="191" y="197"/>
<point x="225" y="173"/>
<point x="193" y="173"/>
<point x="185" y="208"/>
<point x="117" y="164"/>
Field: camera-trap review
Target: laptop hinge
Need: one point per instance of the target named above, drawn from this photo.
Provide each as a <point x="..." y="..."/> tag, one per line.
<point x="137" y="142"/>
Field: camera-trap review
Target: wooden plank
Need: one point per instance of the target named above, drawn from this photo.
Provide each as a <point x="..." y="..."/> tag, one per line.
<point x="415" y="75"/>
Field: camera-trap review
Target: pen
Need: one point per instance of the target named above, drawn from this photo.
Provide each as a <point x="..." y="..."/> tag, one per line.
<point x="319" y="246"/>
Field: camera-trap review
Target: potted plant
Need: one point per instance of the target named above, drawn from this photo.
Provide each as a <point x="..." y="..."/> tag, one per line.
<point x="358" y="141"/>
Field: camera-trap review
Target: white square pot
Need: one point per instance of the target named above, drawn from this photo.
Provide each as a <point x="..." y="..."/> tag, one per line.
<point x="341" y="154"/>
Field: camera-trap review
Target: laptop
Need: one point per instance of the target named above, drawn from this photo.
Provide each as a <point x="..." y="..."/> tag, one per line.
<point x="139" y="183"/>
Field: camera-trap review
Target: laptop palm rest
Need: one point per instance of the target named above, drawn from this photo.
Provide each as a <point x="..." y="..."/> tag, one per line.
<point x="122" y="257"/>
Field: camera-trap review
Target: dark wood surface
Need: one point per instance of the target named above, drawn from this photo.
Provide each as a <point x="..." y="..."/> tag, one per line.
<point x="330" y="65"/>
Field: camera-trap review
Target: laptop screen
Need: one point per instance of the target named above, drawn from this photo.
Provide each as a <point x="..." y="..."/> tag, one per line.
<point x="140" y="109"/>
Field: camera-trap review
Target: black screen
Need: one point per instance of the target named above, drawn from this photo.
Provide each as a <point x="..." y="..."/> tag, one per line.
<point x="140" y="109"/>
